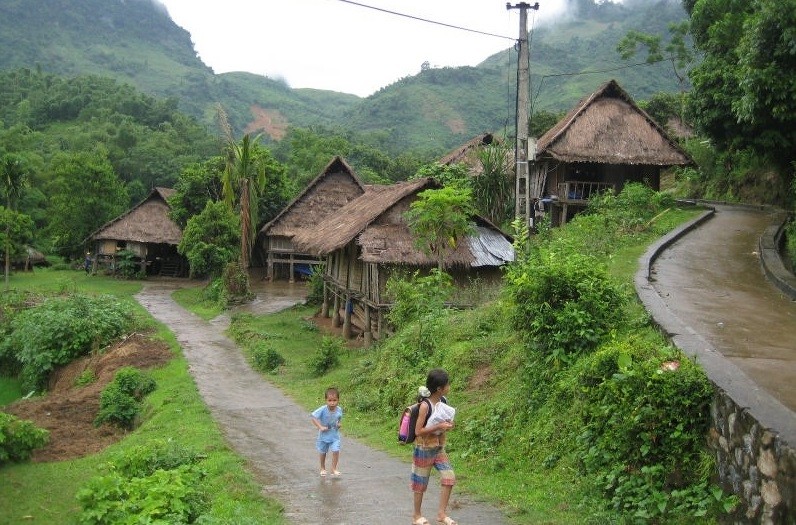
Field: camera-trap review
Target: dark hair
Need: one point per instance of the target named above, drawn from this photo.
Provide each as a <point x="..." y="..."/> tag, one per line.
<point x="437" y="378"/>
<point x="331" y="390"/>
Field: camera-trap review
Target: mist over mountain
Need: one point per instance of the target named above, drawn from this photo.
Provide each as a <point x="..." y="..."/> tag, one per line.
<point x="134" y="41"/>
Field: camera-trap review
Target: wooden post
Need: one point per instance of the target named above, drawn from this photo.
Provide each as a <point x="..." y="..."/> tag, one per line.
<point x="325" y="304"/>
<point x="349" y="307"/>
<point x="292" y="279"/>
<point x="336" y="314"/>
<point x="368" y="333"/>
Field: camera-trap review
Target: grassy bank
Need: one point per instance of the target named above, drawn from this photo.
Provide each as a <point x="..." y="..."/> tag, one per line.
<point x="45" y="492"/>
<point x="515" y="441"/>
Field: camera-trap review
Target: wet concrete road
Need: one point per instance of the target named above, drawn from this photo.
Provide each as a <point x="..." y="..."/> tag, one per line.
<point x="276" y="437"/>
<point x="712" y="280"/>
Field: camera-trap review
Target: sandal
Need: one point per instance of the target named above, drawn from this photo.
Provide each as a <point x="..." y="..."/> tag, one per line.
<point x="447" y="520"/>
<point x="336" y="473"/>
<point x="420" y="521"/>
<point x="323" y="473"/>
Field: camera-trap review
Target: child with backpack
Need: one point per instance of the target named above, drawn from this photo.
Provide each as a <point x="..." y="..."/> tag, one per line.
<point x="429" y="449"/>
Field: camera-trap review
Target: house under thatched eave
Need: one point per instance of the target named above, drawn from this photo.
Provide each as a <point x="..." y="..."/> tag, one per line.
<point x="602" y="143"/>
<point x="147" y="231"/>
<point x="368" y="240"/>
<point x="336" y="185"/>
<point x="467" y="153"/>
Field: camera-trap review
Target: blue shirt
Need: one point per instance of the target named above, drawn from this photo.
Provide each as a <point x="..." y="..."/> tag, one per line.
<point x="330" y="420"/>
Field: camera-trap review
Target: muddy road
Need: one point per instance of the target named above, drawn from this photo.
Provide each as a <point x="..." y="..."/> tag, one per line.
<point x="276" y="437"/>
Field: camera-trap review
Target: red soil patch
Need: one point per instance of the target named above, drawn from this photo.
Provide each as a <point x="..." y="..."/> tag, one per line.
<point x="270" y="121"/>
<point x="68" y="411"/>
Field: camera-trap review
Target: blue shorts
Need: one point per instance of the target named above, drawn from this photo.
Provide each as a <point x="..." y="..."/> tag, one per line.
<point x="327" y="446"/>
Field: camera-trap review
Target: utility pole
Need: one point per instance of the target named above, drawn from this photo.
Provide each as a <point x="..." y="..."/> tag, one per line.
<point x="522" y="203"/>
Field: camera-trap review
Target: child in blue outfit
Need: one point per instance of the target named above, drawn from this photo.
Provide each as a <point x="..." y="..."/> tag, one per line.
<point x="326" y="419"/>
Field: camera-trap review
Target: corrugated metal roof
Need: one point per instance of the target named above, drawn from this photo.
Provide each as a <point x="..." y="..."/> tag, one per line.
<point x="489" y="248"/>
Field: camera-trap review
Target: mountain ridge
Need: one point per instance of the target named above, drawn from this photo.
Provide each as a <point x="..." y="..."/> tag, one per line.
<point x="135" y="41"/>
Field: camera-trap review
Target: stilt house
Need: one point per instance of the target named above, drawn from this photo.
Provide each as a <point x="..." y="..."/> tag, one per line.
<point x="368" y="240"/>
<point x="603" y="143"/>
<point x="332" y="189"/>
<point x="147" y="231"/>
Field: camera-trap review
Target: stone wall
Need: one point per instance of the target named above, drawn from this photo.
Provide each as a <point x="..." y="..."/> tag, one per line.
<point x="752" y="435"/>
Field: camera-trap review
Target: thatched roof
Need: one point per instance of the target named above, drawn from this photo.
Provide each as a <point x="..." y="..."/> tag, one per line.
<point x="468" y="153"/>
<point x="607" y="127"/>
<point x="333" y="188"/>
<point x="147" y="222"/>
<point x="375" y="221"/>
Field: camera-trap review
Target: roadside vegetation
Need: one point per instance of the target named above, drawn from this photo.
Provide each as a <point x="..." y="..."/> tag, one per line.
<point x="173" y="465"/>
<point x="574" y="408"/>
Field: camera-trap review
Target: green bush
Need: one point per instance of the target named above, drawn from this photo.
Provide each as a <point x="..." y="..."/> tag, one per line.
<point x="315" y="294"/>
<point x="19" y="438"/>
<point x="155" y="483"/>
<point x="236" y="284"/>
<point x="165" y="496"/>
<point x="144" y="460"/>
<point x="61" y="329"/>
<point x="563" y="306"/>
<point x="266" y="358"/>
<point x="128" y="265"/>
<point x="327" y="356"/>
<point x="120" y="401"/>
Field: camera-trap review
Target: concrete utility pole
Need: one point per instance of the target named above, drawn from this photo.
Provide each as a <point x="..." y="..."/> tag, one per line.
<point x="523" y="208"/>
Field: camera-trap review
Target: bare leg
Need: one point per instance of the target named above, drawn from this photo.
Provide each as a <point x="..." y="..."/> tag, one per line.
<point x="335" y="459"/>
<point x="418" y="501"/>
<point x="323" y="463"/>
<point x="444" y="497"/>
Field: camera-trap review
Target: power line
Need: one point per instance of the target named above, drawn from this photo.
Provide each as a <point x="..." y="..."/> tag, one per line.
<point x="427" y="20"/>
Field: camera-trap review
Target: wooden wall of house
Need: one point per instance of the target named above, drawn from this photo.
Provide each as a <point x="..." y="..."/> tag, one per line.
<point x="616" y="174"/>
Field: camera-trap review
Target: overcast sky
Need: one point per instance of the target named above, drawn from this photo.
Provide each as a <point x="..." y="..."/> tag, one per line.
<point x="341" y="46"/>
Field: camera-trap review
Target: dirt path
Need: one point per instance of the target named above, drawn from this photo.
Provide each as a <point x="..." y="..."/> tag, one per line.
<point x="275" y="435"/>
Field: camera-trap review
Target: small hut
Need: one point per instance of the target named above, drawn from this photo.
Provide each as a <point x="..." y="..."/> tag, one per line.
<point x="468" y="152"/>
<point x="369" y="240"/>
<point x="332" y="189"/>
<point x="603" y="143"/>
<point x="148" y="232"/>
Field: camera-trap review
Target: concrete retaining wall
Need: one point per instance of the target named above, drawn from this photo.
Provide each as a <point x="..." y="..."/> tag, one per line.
<point x="752" y="434"/>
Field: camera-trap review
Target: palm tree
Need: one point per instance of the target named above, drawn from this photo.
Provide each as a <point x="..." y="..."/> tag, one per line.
<point x="244" y="182"/>
<point x="12" y="180"/>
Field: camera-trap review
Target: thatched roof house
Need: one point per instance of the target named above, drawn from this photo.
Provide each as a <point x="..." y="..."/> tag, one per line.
<point x="368" y="240"/>
<point x="148" y="232"/>
<point x="468" y="152"/>
<point x="336" y="185"/>
<point x="603" y="142"/>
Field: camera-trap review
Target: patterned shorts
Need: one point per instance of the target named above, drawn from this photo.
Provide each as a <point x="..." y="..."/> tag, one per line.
<point x="422" y="460"/>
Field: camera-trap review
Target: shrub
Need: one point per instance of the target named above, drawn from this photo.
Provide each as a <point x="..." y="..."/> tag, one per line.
<point x="563" y="306"/>
<point x="144" y="460"/>
<point x="315" y="293"/>
<point x="236" y="284"/>
<point x="19" y="438"/>
<point x="61" y="329"/>
<point x="644" y="430"/>
<point x="120" y="401"/>
<point x="327" y="356"/>
<point x="164" y="496"/>
<point x="85" y="378"/>
<point x="266" y="358"/>
<point x="128" y="265"/>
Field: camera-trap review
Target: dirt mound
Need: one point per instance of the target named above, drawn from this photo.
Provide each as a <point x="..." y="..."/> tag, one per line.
<point x="68" y="411"/>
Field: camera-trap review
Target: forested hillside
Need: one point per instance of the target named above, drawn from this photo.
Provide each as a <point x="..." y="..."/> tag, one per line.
<point x="435" y="110"/>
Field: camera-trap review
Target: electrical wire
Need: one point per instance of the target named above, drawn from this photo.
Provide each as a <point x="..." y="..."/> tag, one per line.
<point x="426" y="20"/>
